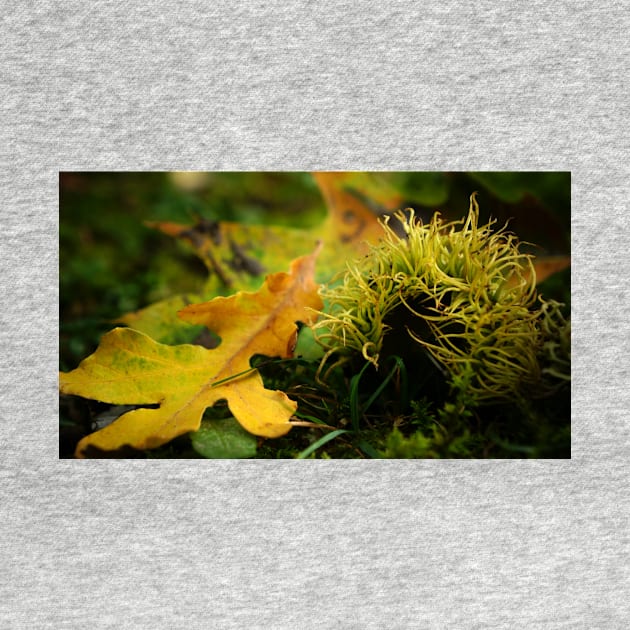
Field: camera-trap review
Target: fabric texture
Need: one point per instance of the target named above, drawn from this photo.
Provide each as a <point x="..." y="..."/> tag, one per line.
<point x="314" y="86"/>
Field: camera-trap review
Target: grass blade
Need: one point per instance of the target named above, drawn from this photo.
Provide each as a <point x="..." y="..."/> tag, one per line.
<point x="355" y="409"/>
<point x="323" y="440"/>
<point x="369" y="450"/>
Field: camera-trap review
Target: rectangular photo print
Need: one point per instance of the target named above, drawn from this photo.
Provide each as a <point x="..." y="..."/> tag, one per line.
<point x="324" y="315"/>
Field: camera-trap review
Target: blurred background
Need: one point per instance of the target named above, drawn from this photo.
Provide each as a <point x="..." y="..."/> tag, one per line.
<point x="112" y="263"/>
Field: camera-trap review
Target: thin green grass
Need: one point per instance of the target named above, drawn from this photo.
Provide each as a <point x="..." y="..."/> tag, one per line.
<point x="319" y="443"/>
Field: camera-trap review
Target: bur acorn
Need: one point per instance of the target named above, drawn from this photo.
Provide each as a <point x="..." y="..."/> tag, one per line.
<point x="460" y="293"/>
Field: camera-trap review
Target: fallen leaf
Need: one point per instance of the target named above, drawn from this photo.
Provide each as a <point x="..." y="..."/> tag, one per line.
<point x="351" y="220"/>
<point x="546" y="266"/>
<point x="129" y="367"/>
<point x="236" y="255"/>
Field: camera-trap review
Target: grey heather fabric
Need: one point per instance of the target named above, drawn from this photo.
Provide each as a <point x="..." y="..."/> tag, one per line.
<point x="308" y="86"/>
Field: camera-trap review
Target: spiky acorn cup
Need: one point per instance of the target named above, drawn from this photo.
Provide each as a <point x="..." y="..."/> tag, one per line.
<point x="465" y="295"/>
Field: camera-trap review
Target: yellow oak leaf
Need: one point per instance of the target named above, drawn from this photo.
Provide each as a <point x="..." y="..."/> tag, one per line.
<point x="129" y="367"/>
